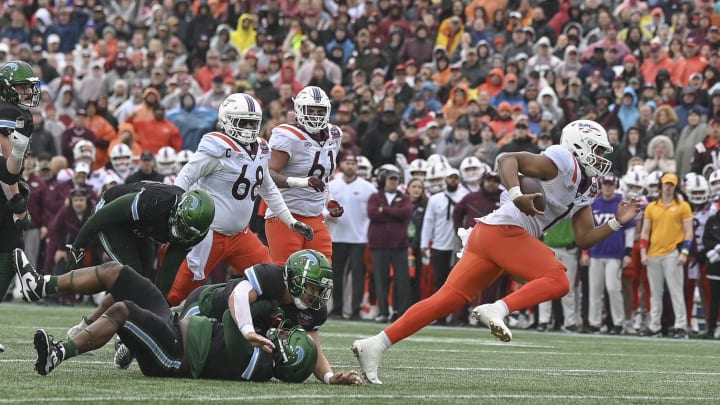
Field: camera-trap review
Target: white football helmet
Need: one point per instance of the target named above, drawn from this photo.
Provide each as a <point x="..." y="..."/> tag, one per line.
<point x="240" y="117"/>
<point x="84" y="149"/>
<point x="633" y="184"/>
<point x="181" y="159"/>
<point x="697" y="189"/>
<point x="472" y="169"/>
<point x="714" y="181"/>
<point x="387" y="167"/>
<point x="652" y="184"/>
<point x="165" y="160"/>
<point x="435" y="178"/>
<point x="309" y="97"/>
<point x="120" y="156"/>
<point x="435" y="158"/>
<point x="583" y="138"/>
<point x="364" y="167"/>
<point x="418" y="168"/>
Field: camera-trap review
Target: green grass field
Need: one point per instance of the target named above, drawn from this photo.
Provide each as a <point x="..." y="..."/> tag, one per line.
<point x="439" y="365"/>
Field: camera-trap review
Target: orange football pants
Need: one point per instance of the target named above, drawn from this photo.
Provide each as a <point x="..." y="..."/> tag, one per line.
<point x="241" y="251"/>
<point x="490" y="251"/>
<point x="283" y="241"/>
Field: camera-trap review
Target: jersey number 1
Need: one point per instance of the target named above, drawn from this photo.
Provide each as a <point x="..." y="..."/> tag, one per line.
<point x="247" y="186"/>
<point x="318" y="170"/>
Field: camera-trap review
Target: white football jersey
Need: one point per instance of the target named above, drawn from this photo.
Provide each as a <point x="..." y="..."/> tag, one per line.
<point x="561" y="195"/>
<point x="233" y="177"/>
<point x="307" y="158"/>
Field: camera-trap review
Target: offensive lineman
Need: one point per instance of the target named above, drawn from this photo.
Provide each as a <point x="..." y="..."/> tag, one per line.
<point x="232" y="166"/>
<point x="304" y="157"/>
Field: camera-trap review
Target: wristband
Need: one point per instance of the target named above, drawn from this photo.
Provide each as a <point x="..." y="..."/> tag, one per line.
<point x="327" y="377"/>
<point x="247" y="329"/>
<point x="515" y="192"/>
<point x="685" y="252"/>
<point x="628" y="251"/>
<point x="644" y="243"/>
<point x="686" y="245"/>
<point x="297" y="182"/>
<point x="614" y="224"/>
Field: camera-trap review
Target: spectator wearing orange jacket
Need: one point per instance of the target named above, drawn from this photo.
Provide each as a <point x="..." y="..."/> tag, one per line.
<point x="694" y="61"/>
<point x="145" y="111"/>
<point x="102" y="129"/>
<point x="503" y="124"/>
<point x="154" y="134"/>
<point x="456" y="105"/>
<point x="658" y="60"/>
<point x="493" y="83"/>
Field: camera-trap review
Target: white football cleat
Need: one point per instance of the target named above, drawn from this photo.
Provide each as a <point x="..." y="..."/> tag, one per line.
<point x="492" y="315"/>
<point x="32" y="284"/>
<point x="369" y="352"/>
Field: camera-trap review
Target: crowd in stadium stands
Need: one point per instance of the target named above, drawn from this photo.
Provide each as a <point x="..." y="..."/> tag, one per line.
<point x="130" y="86"/>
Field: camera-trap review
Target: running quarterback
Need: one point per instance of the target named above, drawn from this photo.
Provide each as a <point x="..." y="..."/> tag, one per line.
<point x="507" y="239"/>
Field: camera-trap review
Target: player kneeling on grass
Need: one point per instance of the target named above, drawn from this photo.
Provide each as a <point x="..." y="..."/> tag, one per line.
<point x="506" y="241"/>
<point x="164" y="344"/>
<point x="299" y="291"/>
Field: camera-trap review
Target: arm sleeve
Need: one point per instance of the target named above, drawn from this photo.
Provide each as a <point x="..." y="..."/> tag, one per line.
<point x="240" y="307"/>
<point x="200" y="165"/>
<point x="117" y="211"/>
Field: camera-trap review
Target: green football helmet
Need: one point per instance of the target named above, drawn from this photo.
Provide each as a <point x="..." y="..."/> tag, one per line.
<point x="193" y="215"/>
<point x="295" y="354"/>
<point x="19" y="85"/>
<point x="309" y="278"/>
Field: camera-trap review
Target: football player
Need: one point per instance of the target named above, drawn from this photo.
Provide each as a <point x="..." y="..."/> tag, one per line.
<point x="303" y="160"/>
<point x="505" y="241"/>
<point x="300" y="289"/>
<point x="232" y="166"/>
<point x="196" y="347"/>
<point x="697" y="189"/>
<point x="121" y="161"/>
<point x="132" y="218"/>
<point x="19" y="91"/>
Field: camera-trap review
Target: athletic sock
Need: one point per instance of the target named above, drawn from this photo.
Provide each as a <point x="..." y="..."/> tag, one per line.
<point x="69" y="349"/>
<point x="51" y="285"/>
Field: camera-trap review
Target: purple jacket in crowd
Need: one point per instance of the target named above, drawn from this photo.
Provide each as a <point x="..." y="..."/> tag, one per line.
<point x="388" y="229"/>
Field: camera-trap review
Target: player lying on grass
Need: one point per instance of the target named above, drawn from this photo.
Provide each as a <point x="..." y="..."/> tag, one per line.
<point x="300" y="290"/>
<point x="164" y="344"/>
<point x="506" y="241"/>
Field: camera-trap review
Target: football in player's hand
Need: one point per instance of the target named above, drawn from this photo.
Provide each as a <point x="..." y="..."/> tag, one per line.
<point x="529" y="185"/>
